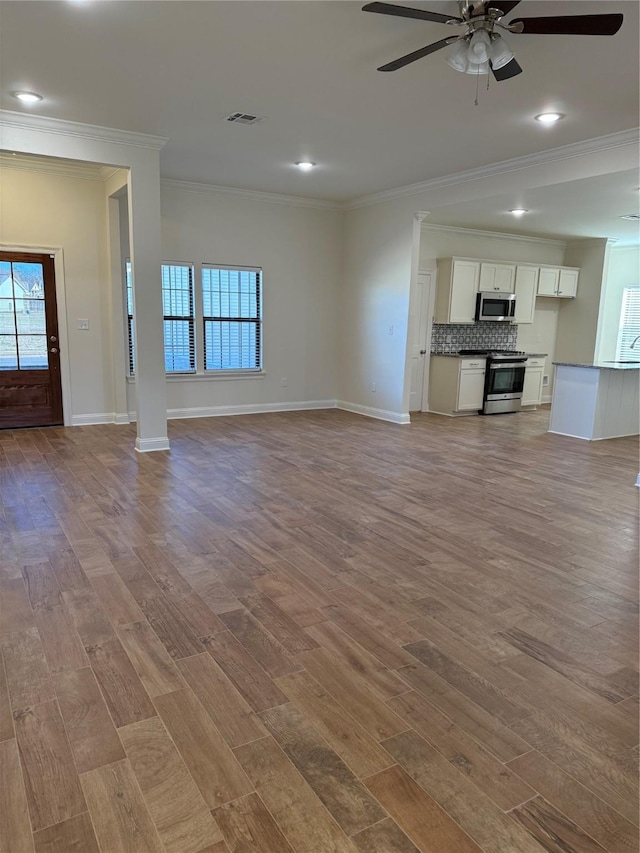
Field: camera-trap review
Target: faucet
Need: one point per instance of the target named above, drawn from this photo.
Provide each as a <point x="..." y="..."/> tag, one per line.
<point x="634" y="342"/>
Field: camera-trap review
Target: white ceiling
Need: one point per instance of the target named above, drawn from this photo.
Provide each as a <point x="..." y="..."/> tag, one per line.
<point x="178" y="68"/>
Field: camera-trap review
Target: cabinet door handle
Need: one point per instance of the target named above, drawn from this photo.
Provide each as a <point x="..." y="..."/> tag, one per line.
<point x="423" y="352"/>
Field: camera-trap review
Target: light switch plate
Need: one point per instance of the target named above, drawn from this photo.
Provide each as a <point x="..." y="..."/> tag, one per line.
<point x="83" y="325"/>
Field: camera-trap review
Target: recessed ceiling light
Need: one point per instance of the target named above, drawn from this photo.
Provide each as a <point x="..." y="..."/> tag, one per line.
<point x="305" y="165"/>
<point x="27" y="97"/>
<point x="519" y="211"/>
<point x="549" y="118"/>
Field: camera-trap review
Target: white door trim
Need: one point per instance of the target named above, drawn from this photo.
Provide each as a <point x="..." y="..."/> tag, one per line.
<point x="63" y="326"/>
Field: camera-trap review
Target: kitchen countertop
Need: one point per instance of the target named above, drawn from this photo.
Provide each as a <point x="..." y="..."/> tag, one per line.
<point x="457" y="355"/>
<point x="601" y="365"/>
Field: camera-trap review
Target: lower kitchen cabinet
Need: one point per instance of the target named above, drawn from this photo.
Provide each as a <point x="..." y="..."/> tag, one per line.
<point x="456" y="385"/>
<point x="533" y="379"/>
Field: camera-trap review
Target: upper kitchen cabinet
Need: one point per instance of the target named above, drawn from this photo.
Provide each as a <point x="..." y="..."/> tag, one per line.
<point x="500" y="277"/>
<point x="457" y="286"/>
<point x="558" y="281"/>
<point x="526" y="287"/>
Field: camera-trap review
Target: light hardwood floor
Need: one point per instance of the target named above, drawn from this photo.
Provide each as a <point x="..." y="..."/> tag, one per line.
<point x="315" y="632"/>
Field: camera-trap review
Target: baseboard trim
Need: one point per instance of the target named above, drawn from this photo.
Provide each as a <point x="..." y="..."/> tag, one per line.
<point x="245" y="409"/>
<point x="148" y="445"/>
<point x="94" y="419"/>
<point x="378" y="414"/>
<point x="122" y="418"/>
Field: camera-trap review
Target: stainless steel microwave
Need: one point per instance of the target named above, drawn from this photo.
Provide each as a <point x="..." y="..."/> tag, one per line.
<point x="496" y="307"/>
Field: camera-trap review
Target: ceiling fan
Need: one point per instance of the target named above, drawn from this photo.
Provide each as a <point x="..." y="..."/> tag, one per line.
<point x="480" y="49"/>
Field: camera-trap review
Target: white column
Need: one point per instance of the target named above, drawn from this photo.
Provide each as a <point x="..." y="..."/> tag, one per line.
<point x="144" y="241"/>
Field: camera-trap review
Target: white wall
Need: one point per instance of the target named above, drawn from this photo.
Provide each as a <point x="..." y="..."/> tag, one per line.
<point x="378" y="271"/>
<point x="539" y="336"/>
<point x="58" y="211"/>
<point x="623" y="270"/>
<point x="299" y="250"/>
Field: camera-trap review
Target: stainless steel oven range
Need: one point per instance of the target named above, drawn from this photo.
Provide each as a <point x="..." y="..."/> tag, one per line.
<point x="503" y="382"/>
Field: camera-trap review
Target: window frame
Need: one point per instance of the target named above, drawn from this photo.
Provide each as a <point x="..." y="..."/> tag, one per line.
<point x="257" y="321"/>
<point x="198" y="325"/>
<point x="626" y="330"/>
<point x="190" y="318"/>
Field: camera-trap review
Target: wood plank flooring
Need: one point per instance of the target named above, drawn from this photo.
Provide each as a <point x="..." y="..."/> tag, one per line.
<point x="317" y="633"/>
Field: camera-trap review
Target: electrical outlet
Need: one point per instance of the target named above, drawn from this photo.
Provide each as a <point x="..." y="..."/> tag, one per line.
<point x="83" y="325"/>
<point x="284" y="382"/>
<point x="373" y="386"/>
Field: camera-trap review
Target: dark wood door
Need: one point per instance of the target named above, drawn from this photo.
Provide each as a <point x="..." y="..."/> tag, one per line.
<point x="30" y="386"/>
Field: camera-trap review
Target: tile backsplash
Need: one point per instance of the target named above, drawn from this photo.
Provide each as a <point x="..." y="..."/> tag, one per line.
<point x="451" y="337"/>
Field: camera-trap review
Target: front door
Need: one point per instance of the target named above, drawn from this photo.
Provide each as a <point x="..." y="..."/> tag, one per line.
<point x="30" y="386"/>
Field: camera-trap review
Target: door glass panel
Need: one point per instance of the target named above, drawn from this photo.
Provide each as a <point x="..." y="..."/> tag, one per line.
<point x="7" y="321"/>
<point x="28" y="280"/>
<point x="8" y="353"/>
<point x="31" y="320"/>
<point x="32" y="350"/>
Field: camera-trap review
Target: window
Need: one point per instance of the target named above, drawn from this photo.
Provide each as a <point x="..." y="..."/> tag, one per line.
<point x="231" y="318"/>
<point x="629" y="327"/>
<point x="179" y="318"/>
<point x="231" y="302"/>
<point x="131" y="346"/>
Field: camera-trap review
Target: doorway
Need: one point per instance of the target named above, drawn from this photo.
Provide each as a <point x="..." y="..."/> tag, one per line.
<point x="30" y="381"/>
<point x="420" y="337"/>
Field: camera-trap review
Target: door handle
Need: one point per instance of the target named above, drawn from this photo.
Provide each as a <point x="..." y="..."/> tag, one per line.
<point x="53" y="349"/>
<point x="423" y="351"/>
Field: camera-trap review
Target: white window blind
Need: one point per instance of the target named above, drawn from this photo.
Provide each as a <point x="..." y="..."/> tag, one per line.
<point x="179" y="318"/>
<point x="232" y="316"/>
<point x="130" y="333"/>
<point x="629" y="327"/>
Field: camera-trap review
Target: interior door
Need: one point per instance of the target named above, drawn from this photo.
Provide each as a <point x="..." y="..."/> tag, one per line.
<point x="420" y="337"/>
<point x="30" y="384"/>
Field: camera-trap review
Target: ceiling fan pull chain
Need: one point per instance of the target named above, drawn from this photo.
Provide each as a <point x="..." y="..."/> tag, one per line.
<point x="477" y="87"/>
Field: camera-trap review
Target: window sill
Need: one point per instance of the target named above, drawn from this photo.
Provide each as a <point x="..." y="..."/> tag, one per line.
<point x="212" y="376"/>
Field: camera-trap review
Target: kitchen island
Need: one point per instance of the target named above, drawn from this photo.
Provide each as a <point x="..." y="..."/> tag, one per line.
<point x="596" y="400"/>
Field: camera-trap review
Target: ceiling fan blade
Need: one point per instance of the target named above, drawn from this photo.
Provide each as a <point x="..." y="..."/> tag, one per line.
<point x="507" y="71"/>
<point x="505" y="6"/>
<point x="417" y="54"/>
<point x="569" y="25"/>
<point x="406" y="12"/>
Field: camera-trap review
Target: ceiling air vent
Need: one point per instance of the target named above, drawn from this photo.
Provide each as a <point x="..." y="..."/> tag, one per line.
<point x="244" y="118"/>
<point x="634" y="217"/>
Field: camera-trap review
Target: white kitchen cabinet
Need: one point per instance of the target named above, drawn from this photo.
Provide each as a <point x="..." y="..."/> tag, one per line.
<point x="457" y="286"/>
<point x="558" y="281"/>
<point x="456" y="385"/>
<point x="499" y="277"/>
<point x="533" y="379"/>
<point x="526" y="287"/>
<point x="568" y="283"/>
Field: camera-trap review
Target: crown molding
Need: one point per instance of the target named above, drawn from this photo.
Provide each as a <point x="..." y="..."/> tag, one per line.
<point x="22" y="121"/>
<point x="252" y="195"/>
<point x="501" y="235"/>
<point x="51" y="166"/>
<point x="564" y="152"/>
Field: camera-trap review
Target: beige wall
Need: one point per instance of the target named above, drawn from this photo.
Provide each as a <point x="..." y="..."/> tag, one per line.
<point x="298" y="249"/>
<point x="578" y="318"/>
<point x="58" y="211"/>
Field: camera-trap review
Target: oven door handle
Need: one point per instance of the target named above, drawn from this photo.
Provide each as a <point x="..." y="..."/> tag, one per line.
<point x="498" y="365"/>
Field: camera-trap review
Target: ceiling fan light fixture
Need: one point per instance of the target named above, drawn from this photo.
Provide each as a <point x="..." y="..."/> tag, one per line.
<point x="478" y="68"/>
<point x="479" y="48"/>
<point x="457" y="58"/>
<point x="500" y="53"/>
